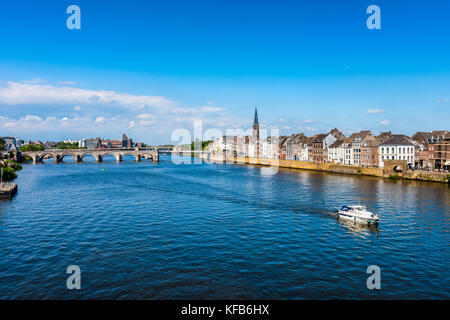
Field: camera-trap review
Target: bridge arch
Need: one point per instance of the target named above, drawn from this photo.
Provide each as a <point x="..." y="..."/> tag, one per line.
<point x="137" y="157"/>
<point x="96" y="156"/>
<point x="117" y="157"/>
<point x="47" y="155"/>
<point x="61" y="157"/>
<point x="147" y="156"/>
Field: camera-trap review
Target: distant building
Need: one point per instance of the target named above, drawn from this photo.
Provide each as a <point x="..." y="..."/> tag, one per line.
<point x="357" y="140"/>
<point x="336" y="152"/>
<point x="270" y="148"/>
<point x="348" y="151"/>
<point x="383" y="136"/>
<point x="282" y="146"/>
<point x="398" y="147"/>
<point x="297" y="147"/>
<point x="93" y="143"/>
<point x="12" y="143"/>
<point x="369" y="153"/>
<point x="425" y="143"/>
<point x="82" y="143"/>
<point x="442" y="153"/>
<point x="292" y="143"/>
<point x="49" y="145"/>
<point x="126" y="143"/>
<point x="319" y="153"/>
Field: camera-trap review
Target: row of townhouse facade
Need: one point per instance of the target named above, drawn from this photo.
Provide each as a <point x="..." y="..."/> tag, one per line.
<point x="424" y="149"/>
<point x="361" y="149"/>
<point x="432" y="149"/>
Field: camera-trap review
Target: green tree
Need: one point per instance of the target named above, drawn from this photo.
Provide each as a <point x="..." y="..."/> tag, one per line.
<point x="9" y="174"/>
<point x="31" y="147"/>
<point x="67" y="145"/>
<point x="14" y="165"/>
<point x="204" y="144"/>
<point x="2" y="144"/>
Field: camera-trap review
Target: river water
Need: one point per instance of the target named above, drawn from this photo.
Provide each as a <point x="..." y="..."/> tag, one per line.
<point x="215" y="231"/>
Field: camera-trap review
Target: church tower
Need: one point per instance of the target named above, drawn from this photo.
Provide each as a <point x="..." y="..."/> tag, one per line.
<point x="256" y="133"/>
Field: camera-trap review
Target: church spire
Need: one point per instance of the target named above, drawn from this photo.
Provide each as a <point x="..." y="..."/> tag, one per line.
<point x="255" y="121"/>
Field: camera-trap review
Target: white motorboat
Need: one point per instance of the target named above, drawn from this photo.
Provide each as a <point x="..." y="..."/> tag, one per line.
<point x="358" y="214"/>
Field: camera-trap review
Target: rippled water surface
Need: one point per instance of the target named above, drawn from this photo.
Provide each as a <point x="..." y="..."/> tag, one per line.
<point x="160" y="230"/>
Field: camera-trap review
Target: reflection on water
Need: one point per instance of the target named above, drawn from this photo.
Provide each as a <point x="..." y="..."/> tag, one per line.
<point x="359" y="228"/>
<point x="159" y="230"/>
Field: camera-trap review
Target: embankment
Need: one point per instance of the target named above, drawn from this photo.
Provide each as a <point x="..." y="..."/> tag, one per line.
<point x="333" y="167"/>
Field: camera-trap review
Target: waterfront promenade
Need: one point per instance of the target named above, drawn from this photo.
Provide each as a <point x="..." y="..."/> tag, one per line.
<point x="393" y="169"/>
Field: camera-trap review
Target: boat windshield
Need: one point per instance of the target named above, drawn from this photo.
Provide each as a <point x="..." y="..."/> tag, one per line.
<point x="357" y="208"/>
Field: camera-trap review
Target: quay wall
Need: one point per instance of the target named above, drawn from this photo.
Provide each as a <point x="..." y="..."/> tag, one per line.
<point x="332" y="167"/>
<point x="8" y="190"/>
<point x="427" y="176"/>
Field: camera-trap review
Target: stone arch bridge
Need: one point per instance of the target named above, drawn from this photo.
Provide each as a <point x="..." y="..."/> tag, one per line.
<point x="98" y="154"/>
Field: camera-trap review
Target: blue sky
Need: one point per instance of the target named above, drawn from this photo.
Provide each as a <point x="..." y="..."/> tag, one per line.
<point x="149" y="67"/>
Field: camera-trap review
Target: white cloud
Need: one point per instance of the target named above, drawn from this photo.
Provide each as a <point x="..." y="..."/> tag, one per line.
<point x="283" y="119"/>
<point x="211" y="109"/>
<point x="374" y="111"/>
<point x="308" y="129"/>
<point x="34" y="81"/>
<point x="385" y="122"/>
<point x="146" y="122"/>
<point x="86" y="113"/>
<point x="146" y="116"/>
<point x="34" y="124"/>
<point x="31" y="118"/>
<point x="308" y="121"/>
<point x="30" y="93"/>
<point x="66" y="83"/>
<point x="442" y="100"/>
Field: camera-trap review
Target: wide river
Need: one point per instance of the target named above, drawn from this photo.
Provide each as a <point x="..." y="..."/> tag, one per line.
<point x="215" y="231"/>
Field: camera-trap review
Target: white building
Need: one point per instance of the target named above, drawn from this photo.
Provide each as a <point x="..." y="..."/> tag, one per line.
<point x="399" y="147"/>
<point x="270" y="148"/>
<point x="348" y="152"/>
<point x="336" y="152"/>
